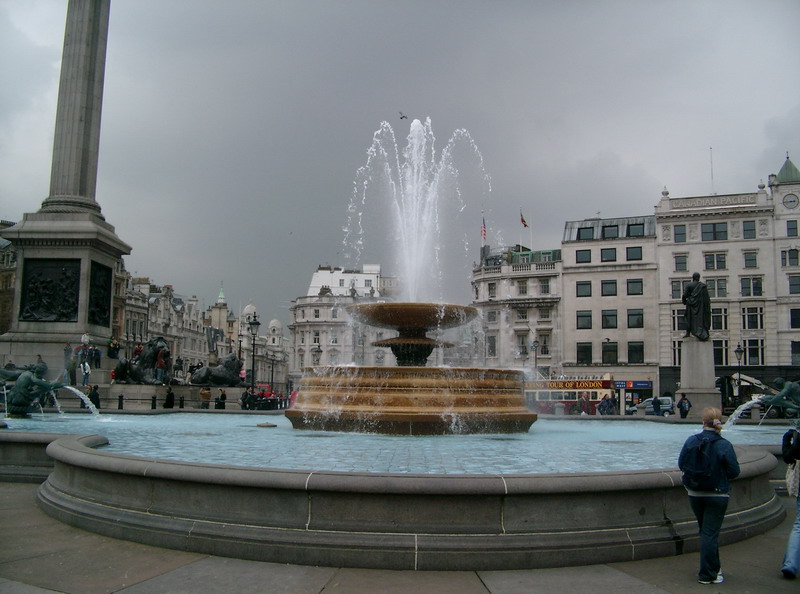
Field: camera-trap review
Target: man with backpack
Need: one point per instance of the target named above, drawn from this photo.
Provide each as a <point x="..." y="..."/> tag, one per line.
<point x="709" y="464"/>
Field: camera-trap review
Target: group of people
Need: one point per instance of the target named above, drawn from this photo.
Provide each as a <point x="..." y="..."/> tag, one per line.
<point x="262" y="400"/>
<point x="709" y="464"/>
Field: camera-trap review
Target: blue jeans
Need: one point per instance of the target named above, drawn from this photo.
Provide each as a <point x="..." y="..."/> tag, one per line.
<point x="709" y="511"/>
<point x="791" y="560"/>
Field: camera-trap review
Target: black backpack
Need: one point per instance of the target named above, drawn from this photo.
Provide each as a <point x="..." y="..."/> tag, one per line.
<point x="700" y="473"/>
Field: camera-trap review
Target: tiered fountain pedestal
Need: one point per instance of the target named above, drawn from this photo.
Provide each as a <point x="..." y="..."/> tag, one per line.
<point x="411" y="401"/>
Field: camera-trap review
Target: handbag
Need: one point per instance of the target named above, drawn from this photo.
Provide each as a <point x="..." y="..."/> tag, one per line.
<point x="793" y="479"/>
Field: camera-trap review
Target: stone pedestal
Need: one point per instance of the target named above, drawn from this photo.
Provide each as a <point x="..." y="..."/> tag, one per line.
<point x="697" y="376"/>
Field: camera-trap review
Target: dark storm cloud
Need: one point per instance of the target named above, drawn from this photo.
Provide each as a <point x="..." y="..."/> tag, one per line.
<point x="232" y="131"/>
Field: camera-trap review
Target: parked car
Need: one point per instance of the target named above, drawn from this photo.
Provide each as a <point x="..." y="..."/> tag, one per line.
<point x="667" y="406"/>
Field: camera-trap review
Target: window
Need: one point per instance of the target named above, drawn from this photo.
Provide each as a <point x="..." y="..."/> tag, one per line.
<point x="609" y="318"/>
<point x="719" y="318"/>
<point x="334" y="313"/>
<point x="585" y="233"/>
<point x="368" y="282"/>
<point x="341" y="282"/>
<point x="751" y="286"/>
<point x="715" y="261"/>
<point x="316" y="336"/>
<point x="681" y="262"/>
<point x="544" y="313"/>
<point x="753" y="318"/>
<point x="678" y="287"/>
<point x="610" y="231"/>
<point x="522" y="344"/>
<point x="544" y="344"/>
<point x="636" y="352"/>
<point x="635" y="318"/>
<point x="635" y="286"/>
<point x="714" y="231"/>
<point x="334" y="338"/>
<point x="492" y="290"/>
<point x="610" y="354"/>
<point x="794" y="285"/>
<point x="791" y="228"/>
<point x="753" y="351"/>
<point x="522" y="287"/>
<point x="749" y="229"/>
<point x="491" y="346"/>
<point x="583" y="353"/>
<point x="583" y="256"/>
<point x="717" y="287"/>
<point x="678" y="320"/>
<point x="794" y="318"/>
<point x="583" y="289"/>
<point x="544" y="286"/>
<point x="636" y="230"/>
<point x="584" y="319"/>
<point x="608" y="288"/>
<point x="491" y="316"/>
<point x="633" y="253"/>
<point x="679" y="233"/>
<point x="720" y="352"/>
<point x="676" y="352"/>
<point x="522" y="314"/>
<point x="608" y="255"/>
<point x="750" y="259"/>
<point x="316" y="314"/>
<point x="790" y="257"/>
<point x="795" y="346"/>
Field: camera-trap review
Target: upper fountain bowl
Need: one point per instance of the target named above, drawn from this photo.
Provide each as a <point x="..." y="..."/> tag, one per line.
<point x="412" y="315"/>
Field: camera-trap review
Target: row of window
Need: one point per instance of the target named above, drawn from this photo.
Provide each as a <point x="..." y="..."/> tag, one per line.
<point x="753" y="352"/>
<point x="522" y="288"/>
<point x="719" y="261"/>
<point x="611" y="231"/>
<point x="608" y="288"/>
<point x="609" y="353"/>
<point x="752" y="318"/>
<point x="632" y="254"/>
<point x="719" y="231"/>
<point x="749" y="286"/>
<point x="543" y="347"/>
<point x="608" y="318"/>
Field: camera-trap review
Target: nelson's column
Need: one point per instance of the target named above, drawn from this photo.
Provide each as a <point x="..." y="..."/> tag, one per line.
<point x="67" y="254"/>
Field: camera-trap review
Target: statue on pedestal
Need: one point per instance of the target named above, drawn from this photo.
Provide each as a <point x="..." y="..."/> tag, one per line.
<point x="698" y="309"/>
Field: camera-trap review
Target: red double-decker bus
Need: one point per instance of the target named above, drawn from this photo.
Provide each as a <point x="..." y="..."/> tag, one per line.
<point x="577" y="395"/>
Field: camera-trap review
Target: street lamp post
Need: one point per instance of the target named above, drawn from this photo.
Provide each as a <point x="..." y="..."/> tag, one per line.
<point x="739" y="351"/>
<point x="535" y="349"/>
<point x="254" y="324"/>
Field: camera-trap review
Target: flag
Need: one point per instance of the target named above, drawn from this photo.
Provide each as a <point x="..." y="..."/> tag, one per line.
<point x="483" y="229"/>
<point x="522" y="219"/>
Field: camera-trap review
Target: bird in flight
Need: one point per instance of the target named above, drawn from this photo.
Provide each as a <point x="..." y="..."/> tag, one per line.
<point x="402" y="115"/>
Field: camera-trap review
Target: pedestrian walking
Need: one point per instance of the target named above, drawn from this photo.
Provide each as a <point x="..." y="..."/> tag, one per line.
<point x="790" y="450"/>
<point x="709" y="464"/>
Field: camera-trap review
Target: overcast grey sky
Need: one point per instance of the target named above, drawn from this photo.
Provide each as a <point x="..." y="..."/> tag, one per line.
<point x="232" y="131"/>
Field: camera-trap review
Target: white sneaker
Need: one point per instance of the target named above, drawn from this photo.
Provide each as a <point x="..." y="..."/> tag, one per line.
<point x="717" y="580"/>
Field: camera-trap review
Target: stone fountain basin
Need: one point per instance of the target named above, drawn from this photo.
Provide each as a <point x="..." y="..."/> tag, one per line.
<point x="421" y="522"/>
<point x="412" y="315"/>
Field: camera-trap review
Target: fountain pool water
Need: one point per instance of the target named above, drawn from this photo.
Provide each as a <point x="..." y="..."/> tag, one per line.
<point x="556" y="446"/>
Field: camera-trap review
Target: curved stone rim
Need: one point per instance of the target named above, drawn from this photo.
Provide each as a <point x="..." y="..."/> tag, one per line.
<point x="434" y="522"/>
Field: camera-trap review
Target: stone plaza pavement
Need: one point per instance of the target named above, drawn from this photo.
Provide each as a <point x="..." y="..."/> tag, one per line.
<point x="40" y="554"/>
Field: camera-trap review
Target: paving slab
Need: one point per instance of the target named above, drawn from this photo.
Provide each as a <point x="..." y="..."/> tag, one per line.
<point x="589" y="579"/>
<point x="219" y="574"/>
<point x="400" y="582"/>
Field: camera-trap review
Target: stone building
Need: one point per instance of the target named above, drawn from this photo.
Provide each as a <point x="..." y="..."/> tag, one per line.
<point x="518" y="293"/>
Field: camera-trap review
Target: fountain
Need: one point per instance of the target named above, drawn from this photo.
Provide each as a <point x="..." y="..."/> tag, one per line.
<point x="411" y="399"/>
